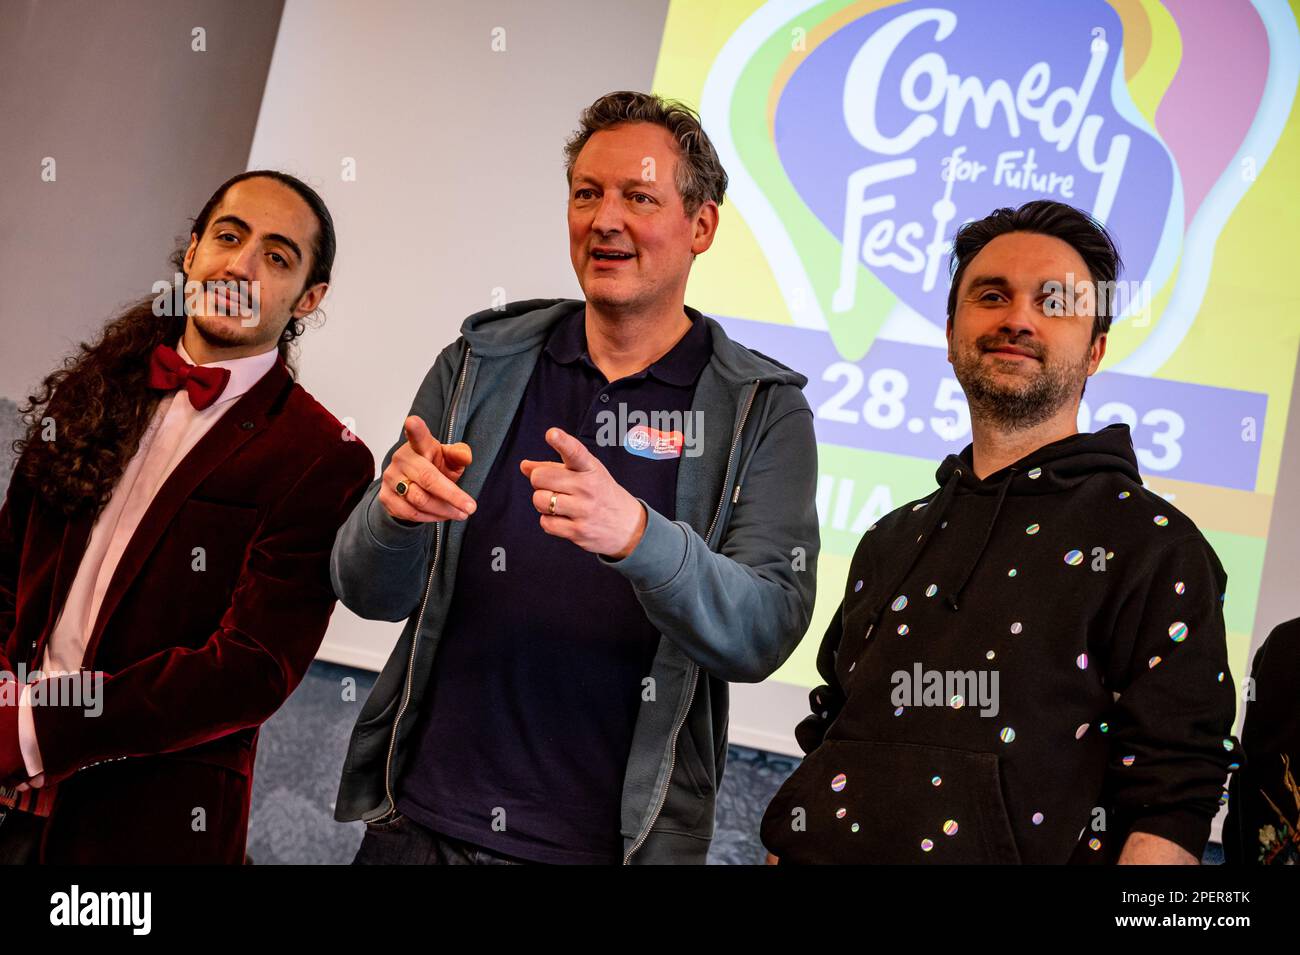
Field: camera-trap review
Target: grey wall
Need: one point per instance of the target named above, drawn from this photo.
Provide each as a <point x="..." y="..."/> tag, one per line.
<point x="141" y="128"/>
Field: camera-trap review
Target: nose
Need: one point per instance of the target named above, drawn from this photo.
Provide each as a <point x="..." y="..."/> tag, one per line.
<point x="242" y="261"/>
<point x="1021" y="318"/>
<point x="609" y="214"/>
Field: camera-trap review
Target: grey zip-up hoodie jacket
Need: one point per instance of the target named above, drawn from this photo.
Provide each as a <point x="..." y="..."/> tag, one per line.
<point x="729" y="583"/>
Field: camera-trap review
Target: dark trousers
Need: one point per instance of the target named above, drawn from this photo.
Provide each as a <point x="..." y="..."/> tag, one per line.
<point x="403" y="841"/>
<point x="20" y="837"/>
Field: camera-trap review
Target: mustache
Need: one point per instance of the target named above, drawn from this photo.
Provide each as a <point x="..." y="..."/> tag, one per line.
<point x="241" y="291"/>
<point x="989" y="342"/>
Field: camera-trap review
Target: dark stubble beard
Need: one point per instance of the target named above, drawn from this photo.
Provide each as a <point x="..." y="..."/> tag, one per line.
<point x="215" y="331"/>
<point x="1017" y="406"/>
<point x="218" y="337"/>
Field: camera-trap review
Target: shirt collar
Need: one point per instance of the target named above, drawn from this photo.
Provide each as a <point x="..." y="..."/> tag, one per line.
<point x="244" y="372"/>
<point x="681" y="365"/>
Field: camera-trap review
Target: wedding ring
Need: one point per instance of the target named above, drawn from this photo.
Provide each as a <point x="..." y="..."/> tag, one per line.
<point x="552" y="508"/>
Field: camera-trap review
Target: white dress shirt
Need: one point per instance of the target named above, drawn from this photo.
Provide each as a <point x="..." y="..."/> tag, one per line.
<point x="174" y="429"/>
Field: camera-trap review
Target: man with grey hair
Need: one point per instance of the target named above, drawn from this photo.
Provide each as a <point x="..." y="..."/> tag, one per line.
<point x="559" y="692"/>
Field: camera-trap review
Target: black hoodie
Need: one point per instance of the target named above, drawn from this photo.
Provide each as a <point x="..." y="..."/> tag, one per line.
<point x="1023" y="669"/>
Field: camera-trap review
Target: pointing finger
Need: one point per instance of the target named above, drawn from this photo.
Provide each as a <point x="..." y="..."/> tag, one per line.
<point x="574" y="453"/>
<point x="419" y="437"/>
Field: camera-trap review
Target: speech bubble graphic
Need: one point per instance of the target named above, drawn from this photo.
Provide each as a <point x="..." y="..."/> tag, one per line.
<point x="857" y="151"/>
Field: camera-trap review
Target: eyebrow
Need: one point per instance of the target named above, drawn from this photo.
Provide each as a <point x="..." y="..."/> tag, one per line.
<point x="630" y="181"/>
<point x="273" y="236"/>
<point x="990" y="281"/>
<point x="1001" y="282"/>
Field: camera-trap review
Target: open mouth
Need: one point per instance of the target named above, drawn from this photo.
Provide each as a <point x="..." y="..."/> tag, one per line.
<point x="601" y="256"/>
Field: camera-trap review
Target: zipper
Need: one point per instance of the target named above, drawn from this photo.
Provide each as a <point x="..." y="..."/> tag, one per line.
<point x="424" y="602"/>
<point x="694" y="667"/>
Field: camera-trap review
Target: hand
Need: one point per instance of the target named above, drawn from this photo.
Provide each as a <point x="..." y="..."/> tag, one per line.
<point x="591" y="508"/>
<point x="13" y="770"/>
<point x="430" y="470"/>
<point x="36" y="782"/>
<point x="1143" y="848"/>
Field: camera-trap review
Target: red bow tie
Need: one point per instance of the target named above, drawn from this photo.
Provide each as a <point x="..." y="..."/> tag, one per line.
<point x="169" y="371"/>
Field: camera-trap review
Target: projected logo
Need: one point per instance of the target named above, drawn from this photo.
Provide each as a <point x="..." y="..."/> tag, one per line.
<point x="937" y="123"/>
<point x="859" y="136"/>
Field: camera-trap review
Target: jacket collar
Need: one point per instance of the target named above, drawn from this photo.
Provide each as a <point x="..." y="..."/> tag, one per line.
<point x="525" y="325"/>
<point x="250" y="415"/>
<point x="680" y="365"/>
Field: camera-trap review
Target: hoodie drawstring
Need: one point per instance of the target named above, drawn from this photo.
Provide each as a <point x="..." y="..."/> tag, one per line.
<point x="952" y="599"/>
<point x="938" y="510"/>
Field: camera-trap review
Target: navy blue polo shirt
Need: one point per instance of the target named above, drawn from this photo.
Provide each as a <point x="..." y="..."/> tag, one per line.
<point x="523" y="738"/>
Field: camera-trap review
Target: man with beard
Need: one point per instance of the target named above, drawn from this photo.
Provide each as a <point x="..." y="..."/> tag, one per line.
<point x="164" y="549"/>
<point x="1029" y="664"/>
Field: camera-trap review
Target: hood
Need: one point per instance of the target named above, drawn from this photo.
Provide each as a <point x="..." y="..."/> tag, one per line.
<point x="1054" y="467"/>
<point x="522" y="325"/>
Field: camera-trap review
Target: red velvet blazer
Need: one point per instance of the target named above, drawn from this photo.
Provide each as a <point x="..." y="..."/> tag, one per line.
<point x="194" y="660"/>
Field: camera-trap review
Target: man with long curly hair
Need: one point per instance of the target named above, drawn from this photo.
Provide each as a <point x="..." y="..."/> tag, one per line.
<point x="164" y="548"/>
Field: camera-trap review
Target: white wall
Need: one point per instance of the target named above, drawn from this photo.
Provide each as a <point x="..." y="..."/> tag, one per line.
<point x="459" y="185"/>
